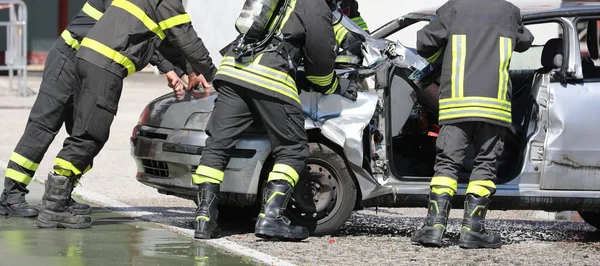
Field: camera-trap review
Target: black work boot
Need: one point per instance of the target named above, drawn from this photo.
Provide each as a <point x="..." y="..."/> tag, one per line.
<point x="207" y="212"/>
<point x="74" y="206"/>
<point x="473" y="233"/>
<point x="437" y="218"/>
<point x="56" y="211"/>
<point x="13" y="200"/>
<point x="271" y="223"/>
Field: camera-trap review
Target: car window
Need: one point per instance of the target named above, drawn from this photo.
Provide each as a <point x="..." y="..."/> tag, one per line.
<point x="590" y="60"/>
<point x="532" y="58"/>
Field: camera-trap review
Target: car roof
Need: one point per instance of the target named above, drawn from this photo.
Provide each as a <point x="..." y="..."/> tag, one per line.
<point x="537" y="9"/>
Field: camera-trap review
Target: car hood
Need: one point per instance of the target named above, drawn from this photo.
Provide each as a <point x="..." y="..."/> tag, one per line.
<point x="190" y="113"/>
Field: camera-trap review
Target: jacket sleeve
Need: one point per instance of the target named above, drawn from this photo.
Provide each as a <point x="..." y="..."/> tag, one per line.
<point x="177" y="25"/>
<point x="161" y="62"/>
<point x="319" y="53"/>
<point x="355" y="16"/>
<point x="432" y="39"/>
<point x="523" y="37"/>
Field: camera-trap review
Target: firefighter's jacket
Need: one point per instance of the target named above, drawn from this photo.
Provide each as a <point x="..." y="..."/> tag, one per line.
<point x="350" y="9"/>
<point x="92" y="11"/>
<point x="476" y="39"/>
<point x="307" y="33"/>
<point x="127" y="36"/>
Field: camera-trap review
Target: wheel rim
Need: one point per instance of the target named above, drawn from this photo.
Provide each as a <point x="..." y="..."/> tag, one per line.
<point x="317" y="192"/>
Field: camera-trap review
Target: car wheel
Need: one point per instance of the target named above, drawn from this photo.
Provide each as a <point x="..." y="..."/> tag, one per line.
<point x="325" y="195"/>
<point x="591" y="217"/>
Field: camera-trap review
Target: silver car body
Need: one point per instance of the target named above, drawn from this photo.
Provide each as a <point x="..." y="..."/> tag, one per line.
<point x="559" y="169"/>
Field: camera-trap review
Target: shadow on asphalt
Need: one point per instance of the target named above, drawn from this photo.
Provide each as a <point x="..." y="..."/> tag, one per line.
<point x="241" y="221"/>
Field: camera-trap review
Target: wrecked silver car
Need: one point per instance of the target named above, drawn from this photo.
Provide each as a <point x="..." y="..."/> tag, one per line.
<point x="380" y="150"/>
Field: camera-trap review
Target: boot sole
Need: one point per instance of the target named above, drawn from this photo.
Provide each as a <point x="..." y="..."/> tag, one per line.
<point x="209" y="235"/>
<point x="8" y="212"/>
<point x="276" y="234"/>
<point x="82" y="212"/>
<point x="428" y="242"/>
<point x="477" y="244"/>
<point x="51" y="224"/>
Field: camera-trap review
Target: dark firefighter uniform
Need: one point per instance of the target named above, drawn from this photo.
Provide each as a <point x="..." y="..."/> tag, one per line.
<point x="265" y="89"/>
<point x="343" y="39"/>
<point x="475" y="39"/>
<point x="52" y="108"/>
<point x="122" y="42"/>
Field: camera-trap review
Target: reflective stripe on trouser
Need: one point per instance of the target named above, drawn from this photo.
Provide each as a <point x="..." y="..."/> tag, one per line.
<point x="454" y="139"/>
<point x="443" y="185"/>
<point x="207" y="174"/>
<point x="98" y="98"/>
<point x="53" y="107"/>
<point x="232" y="115"/>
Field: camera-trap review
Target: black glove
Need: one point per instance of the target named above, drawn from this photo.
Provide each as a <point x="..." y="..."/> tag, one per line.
<point x="347" y="88"/>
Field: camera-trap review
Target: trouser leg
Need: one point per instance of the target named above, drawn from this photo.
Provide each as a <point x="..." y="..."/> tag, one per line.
<point x="284" y="123"/>
<point x="452" y="142"/>
<point x="489" y="144"/>
<point x="97" y="101"/>
<point x="230" y="118"/>
<point x="50" y="110"/>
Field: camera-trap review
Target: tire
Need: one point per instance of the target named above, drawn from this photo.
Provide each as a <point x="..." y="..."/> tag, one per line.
<point x="325" y="195"/>
<point x="591" y="217"/>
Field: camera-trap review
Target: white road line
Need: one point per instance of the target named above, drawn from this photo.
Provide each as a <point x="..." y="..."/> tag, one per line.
<point x="222" y="243"/>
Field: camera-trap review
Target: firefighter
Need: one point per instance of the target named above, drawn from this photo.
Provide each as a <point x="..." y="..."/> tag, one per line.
<point x="346" y="41"/>
<point x="476" y="39"/>
<point x="121" y="43"/>
<point x="52" y="108"/>
<point x="262" y="86"/>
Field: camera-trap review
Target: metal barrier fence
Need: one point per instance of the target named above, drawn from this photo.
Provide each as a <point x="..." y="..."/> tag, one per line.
<point x="15" y="56"/>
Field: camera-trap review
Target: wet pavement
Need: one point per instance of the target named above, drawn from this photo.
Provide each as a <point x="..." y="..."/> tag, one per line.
<point x="113" y="239"/>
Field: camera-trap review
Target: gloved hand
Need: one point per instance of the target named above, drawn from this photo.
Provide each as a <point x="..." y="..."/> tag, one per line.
<point x="347" y="89"/>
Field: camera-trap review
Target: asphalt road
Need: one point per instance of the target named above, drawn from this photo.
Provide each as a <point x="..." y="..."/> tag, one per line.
<point x="367" y="238"/>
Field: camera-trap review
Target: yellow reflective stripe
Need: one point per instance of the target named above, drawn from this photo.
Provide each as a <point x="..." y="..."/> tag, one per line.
<point x="24" y="162"/>
<point x="286" y="169"/>
<point x="65" y="165"/>
<point x="340" y="33"/>
<point x="459" y="47"/>
<point x="258" y="81"/>
<point x="322" y="81"/>
<point x="505" y="55"/>
<point x="333" y="87"/>
<point x="361" y="23"/>
<point x="175" y="21"/>
<point x="202" y="217"/>
<point x="87" y="169"/>
<point x="257" y="68"/>
<point x="110" y="53"/>
<point x="280" y="176"/>
<point x="444" y="181"/>
<point x="275" y="195"/>
<point x="483" y="183"/>
<point x="475" y="101"/>
<point x="17" y="176"/>
<point x="210" y="172"/>
<point x="442" y="190"/>
<point x="91" y="11"/>
<point x="199" y="179"/>
<point x="435" y="56"/>
<point x="462" y="112"/>
<point x="141" y="15"/>
<point x="69" y="40"/>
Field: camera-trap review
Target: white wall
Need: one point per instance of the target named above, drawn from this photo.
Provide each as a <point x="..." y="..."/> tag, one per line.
<point x="214" y="19"/>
